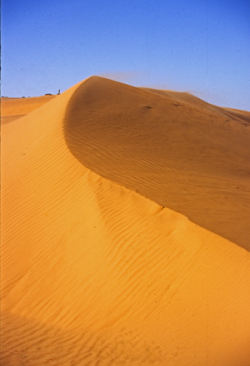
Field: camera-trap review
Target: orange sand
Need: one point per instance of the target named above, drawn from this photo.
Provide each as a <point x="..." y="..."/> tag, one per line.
<point x="19" y="107"/>
<point x="95" y="273"/>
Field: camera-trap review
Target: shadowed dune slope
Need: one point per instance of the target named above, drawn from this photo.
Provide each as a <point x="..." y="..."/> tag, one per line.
<point x="96" y="274"/>
<point x="173" y="148"/>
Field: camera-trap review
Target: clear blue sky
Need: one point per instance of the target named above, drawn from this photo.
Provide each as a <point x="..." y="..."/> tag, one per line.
<point x="199" y="46"/>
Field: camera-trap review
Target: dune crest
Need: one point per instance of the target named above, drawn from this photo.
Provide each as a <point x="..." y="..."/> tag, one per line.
<point x="173" y="148"/>
<point x="96" y="274"/>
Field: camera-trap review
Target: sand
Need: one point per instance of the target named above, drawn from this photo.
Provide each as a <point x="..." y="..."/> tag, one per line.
<point x="112" y="201"/>
<point x="19" y="107"/>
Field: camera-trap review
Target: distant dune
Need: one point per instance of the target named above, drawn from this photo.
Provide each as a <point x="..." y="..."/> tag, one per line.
<point x="112" y="201"/>
<point x="14" y="108"/>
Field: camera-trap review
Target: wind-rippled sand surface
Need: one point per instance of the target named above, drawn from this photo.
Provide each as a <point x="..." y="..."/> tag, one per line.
<point x="112" y="201"/>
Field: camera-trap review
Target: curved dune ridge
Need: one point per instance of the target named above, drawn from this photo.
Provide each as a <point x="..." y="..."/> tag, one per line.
<point x="94" y="273"/>
<point x="170" y="147"/>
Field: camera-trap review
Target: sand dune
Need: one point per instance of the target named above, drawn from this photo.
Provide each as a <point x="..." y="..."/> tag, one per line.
<point x="14" y="108"/>
<point x="173" y="148"/>
<point x="94" y="273"/>
<point x="22" y="106"/>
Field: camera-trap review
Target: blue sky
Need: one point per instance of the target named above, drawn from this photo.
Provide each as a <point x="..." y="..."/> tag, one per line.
<point x="202" y="47"/>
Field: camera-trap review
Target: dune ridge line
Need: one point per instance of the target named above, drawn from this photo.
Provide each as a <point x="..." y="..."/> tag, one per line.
<point x="94" y="273"/>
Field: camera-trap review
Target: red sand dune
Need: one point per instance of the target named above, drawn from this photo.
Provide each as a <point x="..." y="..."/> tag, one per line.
<point x="112" y="199"/>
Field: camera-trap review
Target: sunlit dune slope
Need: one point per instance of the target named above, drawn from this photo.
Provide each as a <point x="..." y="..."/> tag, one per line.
<point x="96" y="274"/>
<point x="171" y="147"/>
<point x="14" y="108"/>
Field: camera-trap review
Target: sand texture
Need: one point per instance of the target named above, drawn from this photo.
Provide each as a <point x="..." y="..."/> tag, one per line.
<point x="19" y="107"/>
<point x="125" y="224"/>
